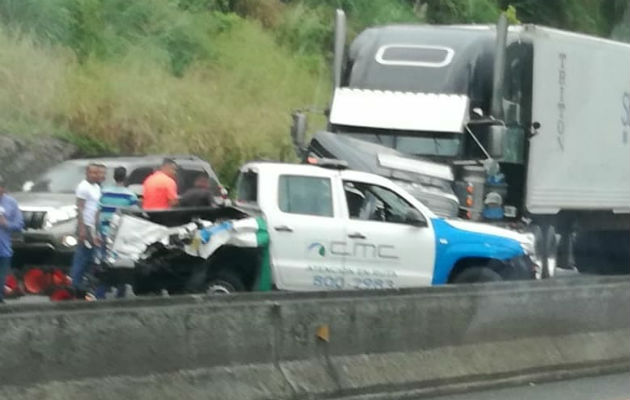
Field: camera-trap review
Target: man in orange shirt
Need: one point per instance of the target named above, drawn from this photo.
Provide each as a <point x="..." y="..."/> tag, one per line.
<point x="159" y="190"/>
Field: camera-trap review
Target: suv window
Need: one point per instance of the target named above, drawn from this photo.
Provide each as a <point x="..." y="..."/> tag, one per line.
<point x="375" y="203"/>
<point x="247" y="187"/>
<point x="62" y="178"/>
<point x="186" y="178"/>
<point x="138" y="175"/>
<point x="305" y="195"/>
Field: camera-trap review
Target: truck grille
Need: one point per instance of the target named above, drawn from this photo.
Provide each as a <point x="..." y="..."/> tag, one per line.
<point x="34" y="219"/>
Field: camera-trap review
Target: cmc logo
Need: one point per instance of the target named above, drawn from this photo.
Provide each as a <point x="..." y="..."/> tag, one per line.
<point x="321" y="250"/>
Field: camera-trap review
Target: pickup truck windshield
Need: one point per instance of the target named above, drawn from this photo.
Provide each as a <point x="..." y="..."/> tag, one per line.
<point x="375" y="203"/>
<point x="439" y="144"/>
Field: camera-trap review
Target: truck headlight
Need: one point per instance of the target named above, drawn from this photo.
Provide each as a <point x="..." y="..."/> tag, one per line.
<point x="58" y="215"/>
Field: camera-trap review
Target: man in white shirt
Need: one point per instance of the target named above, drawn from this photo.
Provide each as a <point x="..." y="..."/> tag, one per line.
<point x="88" y="194"/>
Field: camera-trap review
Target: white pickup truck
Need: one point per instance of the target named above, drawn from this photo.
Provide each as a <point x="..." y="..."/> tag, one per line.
<point x="329" y="228"/>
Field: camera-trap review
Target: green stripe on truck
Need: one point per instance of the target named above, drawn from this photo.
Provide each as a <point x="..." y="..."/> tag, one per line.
<point x="262" y="241"/>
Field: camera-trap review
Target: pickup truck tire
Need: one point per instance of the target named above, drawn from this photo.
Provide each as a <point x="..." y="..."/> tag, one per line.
<point x="477" y="275"/>
<point x="224" y="282"/>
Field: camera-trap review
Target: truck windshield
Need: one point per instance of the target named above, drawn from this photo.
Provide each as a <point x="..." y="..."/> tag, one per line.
<point x="64" y="178"/>
<point x="438" y="144"/>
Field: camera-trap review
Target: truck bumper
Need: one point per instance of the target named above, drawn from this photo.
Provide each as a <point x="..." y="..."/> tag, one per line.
<point x="41" y="250"/>
<point x="519" y="268"/>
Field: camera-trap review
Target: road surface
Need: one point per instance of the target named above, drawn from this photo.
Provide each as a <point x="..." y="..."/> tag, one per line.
<point x="609" y="387"/>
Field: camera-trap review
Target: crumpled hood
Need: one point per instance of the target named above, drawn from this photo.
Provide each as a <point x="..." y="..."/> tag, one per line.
<point x="44" y="201"/>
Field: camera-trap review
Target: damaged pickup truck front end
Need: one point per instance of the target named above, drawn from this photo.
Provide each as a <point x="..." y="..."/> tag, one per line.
<point x="187" y="250"/>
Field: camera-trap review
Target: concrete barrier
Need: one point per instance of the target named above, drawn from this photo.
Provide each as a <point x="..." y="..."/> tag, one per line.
<point x="320" y="345"/>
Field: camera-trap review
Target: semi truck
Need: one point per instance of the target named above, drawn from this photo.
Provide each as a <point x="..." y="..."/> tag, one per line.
<point x="527" y="126"/>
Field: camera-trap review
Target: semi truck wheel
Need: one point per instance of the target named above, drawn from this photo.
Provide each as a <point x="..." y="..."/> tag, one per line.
<point x="566" y="253"/>
<point x="549" y="256"/>
<point x="477" y="275"/>
<point x="539" y="248"/>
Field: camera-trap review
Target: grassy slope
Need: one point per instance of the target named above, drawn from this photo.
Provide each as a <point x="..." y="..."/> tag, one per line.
<point x="234" y="108"/>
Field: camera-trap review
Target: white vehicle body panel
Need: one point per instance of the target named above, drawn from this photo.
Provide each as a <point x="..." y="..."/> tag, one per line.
<point x="580" y="158"/>
<point x="294" y="237"/>
<point x="405" y="254"/>
<point x="399" y="110"/>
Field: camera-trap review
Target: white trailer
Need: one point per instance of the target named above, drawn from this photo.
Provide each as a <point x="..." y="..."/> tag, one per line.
<point x="580" y="158"/>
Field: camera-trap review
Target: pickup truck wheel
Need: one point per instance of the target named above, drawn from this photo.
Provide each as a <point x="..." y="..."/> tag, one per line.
<point x="477" y="275"/>
<point x="224" y="283"/>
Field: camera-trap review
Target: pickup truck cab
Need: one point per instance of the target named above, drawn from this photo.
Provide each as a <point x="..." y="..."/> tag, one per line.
<point x="333" y="228"/>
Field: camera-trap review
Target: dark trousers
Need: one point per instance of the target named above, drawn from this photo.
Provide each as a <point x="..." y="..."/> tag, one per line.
<point x="5" y="267"/>
<point x="81" y="262"/>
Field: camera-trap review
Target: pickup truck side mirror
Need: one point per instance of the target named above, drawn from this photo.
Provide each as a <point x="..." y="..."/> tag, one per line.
<point x="414" y="218"/>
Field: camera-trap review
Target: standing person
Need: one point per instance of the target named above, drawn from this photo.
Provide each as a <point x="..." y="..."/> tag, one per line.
<point x="10" y="221"/>
<point x="88" y="194"/>
<point x="200" y="195"/>
<point x="113" y="198"/>
<point x="159" y="190"/>
<point x="102" y="174"/>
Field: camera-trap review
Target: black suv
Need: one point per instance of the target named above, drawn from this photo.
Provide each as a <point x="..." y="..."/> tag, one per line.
<point x="48" y="203"/>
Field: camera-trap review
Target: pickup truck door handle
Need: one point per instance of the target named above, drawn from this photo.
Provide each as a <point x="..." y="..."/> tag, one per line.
<point x="282" y="228"/>
<point x="356" y="235"/>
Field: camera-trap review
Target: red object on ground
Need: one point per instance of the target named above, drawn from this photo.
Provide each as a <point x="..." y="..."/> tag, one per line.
<point x="36" y="281"/>
<point x="60" y="278"/>
<point x="61" y="295"/>
<point x="10" y="285"/>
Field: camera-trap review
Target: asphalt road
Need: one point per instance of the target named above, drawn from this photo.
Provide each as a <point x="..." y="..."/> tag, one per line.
<point x="609" y="387"/>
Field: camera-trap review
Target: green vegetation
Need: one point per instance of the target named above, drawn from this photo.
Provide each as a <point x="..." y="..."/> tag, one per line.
<point x="216" y="78"/>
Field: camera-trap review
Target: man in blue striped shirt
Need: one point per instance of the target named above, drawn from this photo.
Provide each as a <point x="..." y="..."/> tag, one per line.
<point x="113" y="198"/>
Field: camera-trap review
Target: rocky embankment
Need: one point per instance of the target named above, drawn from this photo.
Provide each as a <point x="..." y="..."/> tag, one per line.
<point x="22" y="159"/>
